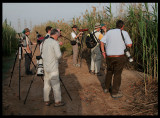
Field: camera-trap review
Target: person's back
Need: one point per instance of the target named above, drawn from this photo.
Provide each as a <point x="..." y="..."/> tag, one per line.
<point x="51" y="54"/>
<point x="114" y="42"/>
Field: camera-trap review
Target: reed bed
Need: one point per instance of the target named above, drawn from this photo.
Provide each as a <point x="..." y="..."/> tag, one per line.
<point x="9" y="39"/>
<point x="140" y="23"/>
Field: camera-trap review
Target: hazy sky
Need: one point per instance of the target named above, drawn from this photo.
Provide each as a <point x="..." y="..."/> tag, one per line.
<point x="37" y="13"/>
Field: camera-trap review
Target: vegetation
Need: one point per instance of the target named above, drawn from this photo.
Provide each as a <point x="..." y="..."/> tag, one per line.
<point x="9" y="40"/>
<point x="141" y="24"/>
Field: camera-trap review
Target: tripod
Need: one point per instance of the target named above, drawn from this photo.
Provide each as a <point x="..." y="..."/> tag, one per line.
<point x="32" y="82"/>
<point x="19" y="52"/>
<point x="81" y="50"/>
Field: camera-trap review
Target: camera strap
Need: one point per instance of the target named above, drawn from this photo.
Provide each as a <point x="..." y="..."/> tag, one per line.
<point x="123" y="37"/>
<point x="95" y="36"/>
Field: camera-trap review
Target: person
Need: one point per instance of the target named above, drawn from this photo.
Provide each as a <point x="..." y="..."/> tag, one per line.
<point x="75" y="37"/>
<point x="115" y="57"/>
<point x="48" y="31"/>
<point x="96" y="55"/>
<point x="51" y="54"/>
<point x="28" y="52"/>
<point x="103" y="29"/>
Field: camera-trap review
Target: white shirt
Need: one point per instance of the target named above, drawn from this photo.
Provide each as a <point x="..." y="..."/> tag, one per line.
<point x="51" y="53"/>
<point x="114" y="41"/>
<point x="73" y="35"/>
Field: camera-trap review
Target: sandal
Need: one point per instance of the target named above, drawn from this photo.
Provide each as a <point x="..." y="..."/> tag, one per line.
<point x="59" y="104"/>
<point x="47" y="103"/>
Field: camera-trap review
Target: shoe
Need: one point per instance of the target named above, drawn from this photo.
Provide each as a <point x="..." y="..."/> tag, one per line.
<point x="91" y="72"/>
<point x="77" y="65"/>
<point x="106" y="91"/>
<point x="47" y="103"/>
<point x="59" y="104"/>
<point x="118" y="95"/>
<point x="98" y="74"/>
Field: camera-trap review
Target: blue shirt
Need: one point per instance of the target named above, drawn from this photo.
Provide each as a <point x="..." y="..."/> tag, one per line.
<point x="114" y="42"/>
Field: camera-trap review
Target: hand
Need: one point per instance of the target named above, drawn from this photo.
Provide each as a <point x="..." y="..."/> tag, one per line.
<point x="60" y="43"/>
<point x="28" y="51"/>
<point x="34" y="43"/>
<point x="104" y="54"/>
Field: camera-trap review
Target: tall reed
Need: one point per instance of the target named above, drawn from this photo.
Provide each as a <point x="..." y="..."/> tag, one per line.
<point x="9" y="40"/>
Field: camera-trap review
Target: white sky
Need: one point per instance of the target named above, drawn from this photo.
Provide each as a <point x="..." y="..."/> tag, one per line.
<point x="38" y="13"/>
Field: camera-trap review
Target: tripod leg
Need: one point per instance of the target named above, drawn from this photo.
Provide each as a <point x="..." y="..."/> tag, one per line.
<point x="13" y="68"/>
<point x="19" y="76"/>
<point x="30" y="58"/>
<point x="42" y="79"/>
<point x="81" y="50"/>
<point x="65" y="88"/>
<point x="29" y="89"/>
<point x="35" y="49"/>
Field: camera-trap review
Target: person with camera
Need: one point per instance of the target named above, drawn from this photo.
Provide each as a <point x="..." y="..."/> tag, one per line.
<point x="103" y="29"/>
<point x="28" y="47"/>
<point x="115" y="57"/>
<point x="74" y="42"/>
<point x="51" y="53"/>
<point x="96" y="55"/>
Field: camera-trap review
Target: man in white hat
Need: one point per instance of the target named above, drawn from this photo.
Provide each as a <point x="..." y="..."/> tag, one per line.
<point x="96" y="55"/>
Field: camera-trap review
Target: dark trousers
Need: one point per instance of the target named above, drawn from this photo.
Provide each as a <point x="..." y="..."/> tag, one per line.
<point x="27" y="62"/>
<point x="114" y="67"/>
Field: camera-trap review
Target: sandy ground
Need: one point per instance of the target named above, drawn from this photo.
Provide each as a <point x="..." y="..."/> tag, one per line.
<point x="86" y="91"/>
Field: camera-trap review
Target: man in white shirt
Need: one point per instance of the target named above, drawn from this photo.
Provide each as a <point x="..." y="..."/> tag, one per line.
<point x="115" y="57"/>
<point x="96" y="55"/>
<point x="51" y="54"/>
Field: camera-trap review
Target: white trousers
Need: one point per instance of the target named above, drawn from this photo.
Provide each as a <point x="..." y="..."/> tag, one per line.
<point x="96" y="58"/>
<point x="51" y="80"/>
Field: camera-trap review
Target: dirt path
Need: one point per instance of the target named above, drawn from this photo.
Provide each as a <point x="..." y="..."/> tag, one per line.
<point x="86" y="91"/>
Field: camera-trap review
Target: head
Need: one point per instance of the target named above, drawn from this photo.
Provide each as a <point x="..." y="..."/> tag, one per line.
<point x="103" y="26"/>
<point x="55" y="34"/>
<point x="26" y="31"/>
<point x="74" y="27"/>
<point x="120" y="24"/>
<point x="97" y="27"/>
<point x="48" y="29"/>
<point x="59" y="30"/>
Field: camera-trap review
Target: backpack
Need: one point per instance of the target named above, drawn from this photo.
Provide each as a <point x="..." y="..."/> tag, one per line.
<point x="91" y="40"/>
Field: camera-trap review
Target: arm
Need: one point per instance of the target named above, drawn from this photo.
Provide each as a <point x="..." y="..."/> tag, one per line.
<point x="102" y="48"/>
<point x="56" y="47"/>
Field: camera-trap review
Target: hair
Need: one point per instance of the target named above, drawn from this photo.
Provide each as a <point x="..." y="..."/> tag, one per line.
<point x="119" y="24"/>
<point x="54" y="32"/>
<point x="48" y="28"/>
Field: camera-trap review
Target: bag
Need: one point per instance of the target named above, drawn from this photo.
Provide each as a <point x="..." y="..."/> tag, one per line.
<point x="73" y="42"/>
<point x="91" y="40"/>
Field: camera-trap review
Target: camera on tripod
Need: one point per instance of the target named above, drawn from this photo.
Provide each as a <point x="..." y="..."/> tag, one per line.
<point x="82" y="30"/>
<point x="40" y="70"/>
<point x="39" y="38"/>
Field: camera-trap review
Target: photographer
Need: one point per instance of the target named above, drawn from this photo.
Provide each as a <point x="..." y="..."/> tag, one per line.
<point x="96" y="53"/>
<point x="115" y="57"/>
<point x="51" y="54"/>
<point x="103" y="29"/>
<point x="48" y="31"/>
<point x="28" y="48"/>
<point x="75" y="39"/>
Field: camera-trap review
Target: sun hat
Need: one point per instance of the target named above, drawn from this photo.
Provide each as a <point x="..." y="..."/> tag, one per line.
<point x="26" y="30"/>
<point x="74" y="26"/>
<point x="103" y="24"/>
<point x="97" y="25"/>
